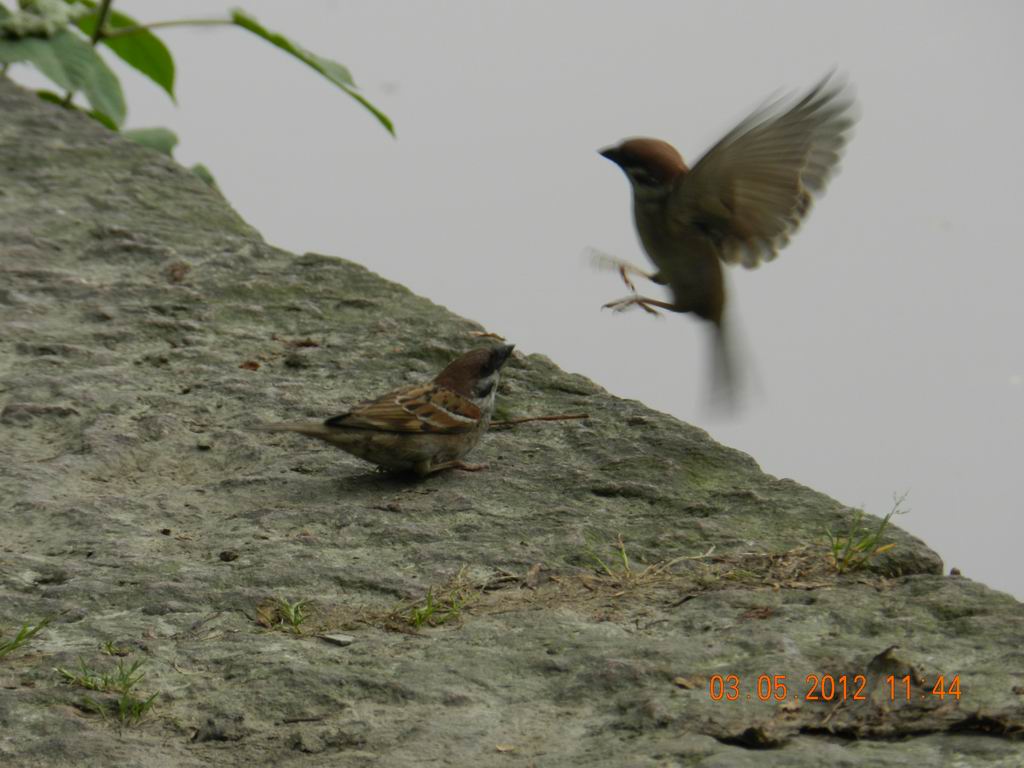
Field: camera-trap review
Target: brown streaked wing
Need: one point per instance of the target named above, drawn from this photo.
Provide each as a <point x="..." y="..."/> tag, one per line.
<point x="750" y="192"/>
<point x="451" y="412"/>
<point x="422" y="408"/>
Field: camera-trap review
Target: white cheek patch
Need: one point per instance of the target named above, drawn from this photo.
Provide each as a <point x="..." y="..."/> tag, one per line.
<point x="486" y="385"/>
<point x="488" y="402"/>
<point x="489" y="384"/>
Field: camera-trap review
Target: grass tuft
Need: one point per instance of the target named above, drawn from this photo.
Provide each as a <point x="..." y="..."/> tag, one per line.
<point x="126" y="706"/>
<point x="24" y="635"/>
<point x="280" y="613"/>
<point x="854" y="549"/>
<point x="619" y="571"/>
<point x="435" y="611"/>
<point x="112" y="649"/>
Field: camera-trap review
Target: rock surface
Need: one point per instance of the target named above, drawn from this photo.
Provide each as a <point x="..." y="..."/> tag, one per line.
<point x="569" y="606"/>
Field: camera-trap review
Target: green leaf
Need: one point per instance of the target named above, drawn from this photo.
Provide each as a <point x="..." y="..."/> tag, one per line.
<point x="50" y="96"/>
<point x="160" y="139"/>
<point x="332" y="70"/>
<point x="71" y="63"/>
<point x="39" y="52"/>
<point x="90" y="74"/>
<point x="99" y="117"/>
<point x="56" y="98"/>
<point x="142" y="50"/>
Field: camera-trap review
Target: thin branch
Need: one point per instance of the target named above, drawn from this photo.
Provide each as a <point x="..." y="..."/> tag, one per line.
<point x="97" y="35"/>
<point x="560" y="417"/>
<point x="125" y="31"/>
<point x="101" y="21"/>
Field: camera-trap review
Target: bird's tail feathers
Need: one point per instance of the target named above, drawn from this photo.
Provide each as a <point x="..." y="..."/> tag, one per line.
<point x="724" y="397"/>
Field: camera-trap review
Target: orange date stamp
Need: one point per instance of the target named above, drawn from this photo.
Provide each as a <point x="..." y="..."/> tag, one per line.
<point x="826" y="688"/>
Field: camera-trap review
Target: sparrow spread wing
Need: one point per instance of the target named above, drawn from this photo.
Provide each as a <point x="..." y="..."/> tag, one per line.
<point x="752" y="189"/>
<point x="421" y="408"/>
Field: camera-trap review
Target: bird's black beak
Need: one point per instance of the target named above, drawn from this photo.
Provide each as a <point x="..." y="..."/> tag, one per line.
<point x="499" y="356"/>
<point x="611" y="153"/>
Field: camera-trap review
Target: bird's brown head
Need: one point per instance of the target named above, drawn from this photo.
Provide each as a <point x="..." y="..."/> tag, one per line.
<point x="475" y="374"/>
<point x="650" y="164"/>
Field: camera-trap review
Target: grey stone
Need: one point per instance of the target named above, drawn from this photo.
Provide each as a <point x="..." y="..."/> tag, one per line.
<point x="144" y="327"/>
<point x="338" y="639"/>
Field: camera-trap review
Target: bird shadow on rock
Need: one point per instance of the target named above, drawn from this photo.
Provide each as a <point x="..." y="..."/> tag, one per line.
<point x="374" y="482"/>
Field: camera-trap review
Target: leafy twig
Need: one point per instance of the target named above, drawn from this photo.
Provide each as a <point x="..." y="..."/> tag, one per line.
<point x="101" y="22"/>
<point x="56" y="47"/>
<point x="125" y="31"/>
<point x="94" y="38"/>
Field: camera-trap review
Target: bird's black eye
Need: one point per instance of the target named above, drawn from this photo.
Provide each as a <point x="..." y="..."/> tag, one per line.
<point x="642" y="176"/>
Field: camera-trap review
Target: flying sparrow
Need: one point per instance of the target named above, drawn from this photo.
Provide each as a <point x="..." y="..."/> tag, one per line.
<point x="741" y="202"/>
<point x="423" y="428"/>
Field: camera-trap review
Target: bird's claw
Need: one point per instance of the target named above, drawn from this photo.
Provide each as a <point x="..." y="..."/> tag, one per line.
<point x="466" y="467"/>
<point x="603" y="260"/>
<point x="625" y="278"/>
<point x="621" y="305"/>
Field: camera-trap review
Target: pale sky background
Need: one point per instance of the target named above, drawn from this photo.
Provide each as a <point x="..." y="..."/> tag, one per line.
<point x="886" y="339"/>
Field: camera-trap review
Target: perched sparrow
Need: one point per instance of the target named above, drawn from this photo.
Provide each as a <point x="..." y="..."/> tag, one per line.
<point x="739" y="203"/>
<point x="423" y="428"/>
